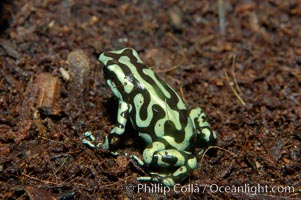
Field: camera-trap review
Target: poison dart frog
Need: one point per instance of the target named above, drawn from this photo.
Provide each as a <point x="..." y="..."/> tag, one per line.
<point x="158" y="114"/>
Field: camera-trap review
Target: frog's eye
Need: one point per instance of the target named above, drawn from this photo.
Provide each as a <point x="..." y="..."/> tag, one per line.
<point x="113" y="72"/>
<point x="106" y="72"/>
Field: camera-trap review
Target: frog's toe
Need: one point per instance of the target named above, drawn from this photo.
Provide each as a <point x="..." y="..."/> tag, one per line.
<point x="163" y="178"/>
<point x="138" y="160"/>
<point x="104" y="145"/>
<point x="89" y="140"/>
<point x="144" y="178"/>
<point x="168" y="182"/>
<point x="159" y="178"/>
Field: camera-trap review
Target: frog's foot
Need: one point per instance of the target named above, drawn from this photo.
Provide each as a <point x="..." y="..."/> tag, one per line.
<point x="205" y="136"/>
<point x="89" y="140"/>
<point x="159" y="178"/>
<point x="183" y="161"/>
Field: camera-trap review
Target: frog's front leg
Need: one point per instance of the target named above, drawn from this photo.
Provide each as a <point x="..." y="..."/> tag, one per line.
<point x="122" y="116"/>
<point x="205" y="135"/>
<point x="119" y="128"/>
<point x="155" y="155"/>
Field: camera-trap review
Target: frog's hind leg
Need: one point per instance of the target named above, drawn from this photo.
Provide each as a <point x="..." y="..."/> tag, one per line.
<point x="205" y="136"/>
<point x="184" y="163"/>
<point x="148" y="157"/>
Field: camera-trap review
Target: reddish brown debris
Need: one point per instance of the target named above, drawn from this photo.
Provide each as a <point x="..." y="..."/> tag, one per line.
<point x="35" y="193"/>
<point x="42" y="94"/>
<point x="238" y="60"/>
<point x="48" y="94"/>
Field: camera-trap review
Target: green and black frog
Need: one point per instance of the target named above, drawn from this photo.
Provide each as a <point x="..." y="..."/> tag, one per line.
<point x="158" y="114"/>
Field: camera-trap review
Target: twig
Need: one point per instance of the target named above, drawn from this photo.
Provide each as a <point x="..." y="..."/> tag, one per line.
<point x="44" y="138"/>
<point x="216" y="147"/>
<point x="175" y="39"/>
<point x="221" y="16"/>
<point x="234" y="75"/>
<point x="115" y="183"/>
<point x="60" y="167"/>
<point x="167" y="70"/>
<point x="40" y="180"/>
<point x="182" y="95"/>
<point x="180" y="47"/>
<point x="235" y="90"/>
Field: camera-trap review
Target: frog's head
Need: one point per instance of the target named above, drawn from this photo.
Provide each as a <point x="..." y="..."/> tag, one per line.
<point x="120" y="69"/>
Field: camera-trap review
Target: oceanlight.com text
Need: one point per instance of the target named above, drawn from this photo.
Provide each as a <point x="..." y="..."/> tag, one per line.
<point x="211" y="188"/>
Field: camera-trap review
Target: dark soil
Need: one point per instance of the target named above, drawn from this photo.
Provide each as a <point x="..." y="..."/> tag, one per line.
<point x="238" y="60"/>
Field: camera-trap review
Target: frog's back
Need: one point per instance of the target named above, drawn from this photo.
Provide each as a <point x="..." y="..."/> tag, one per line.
<point x="156" y="109"/>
